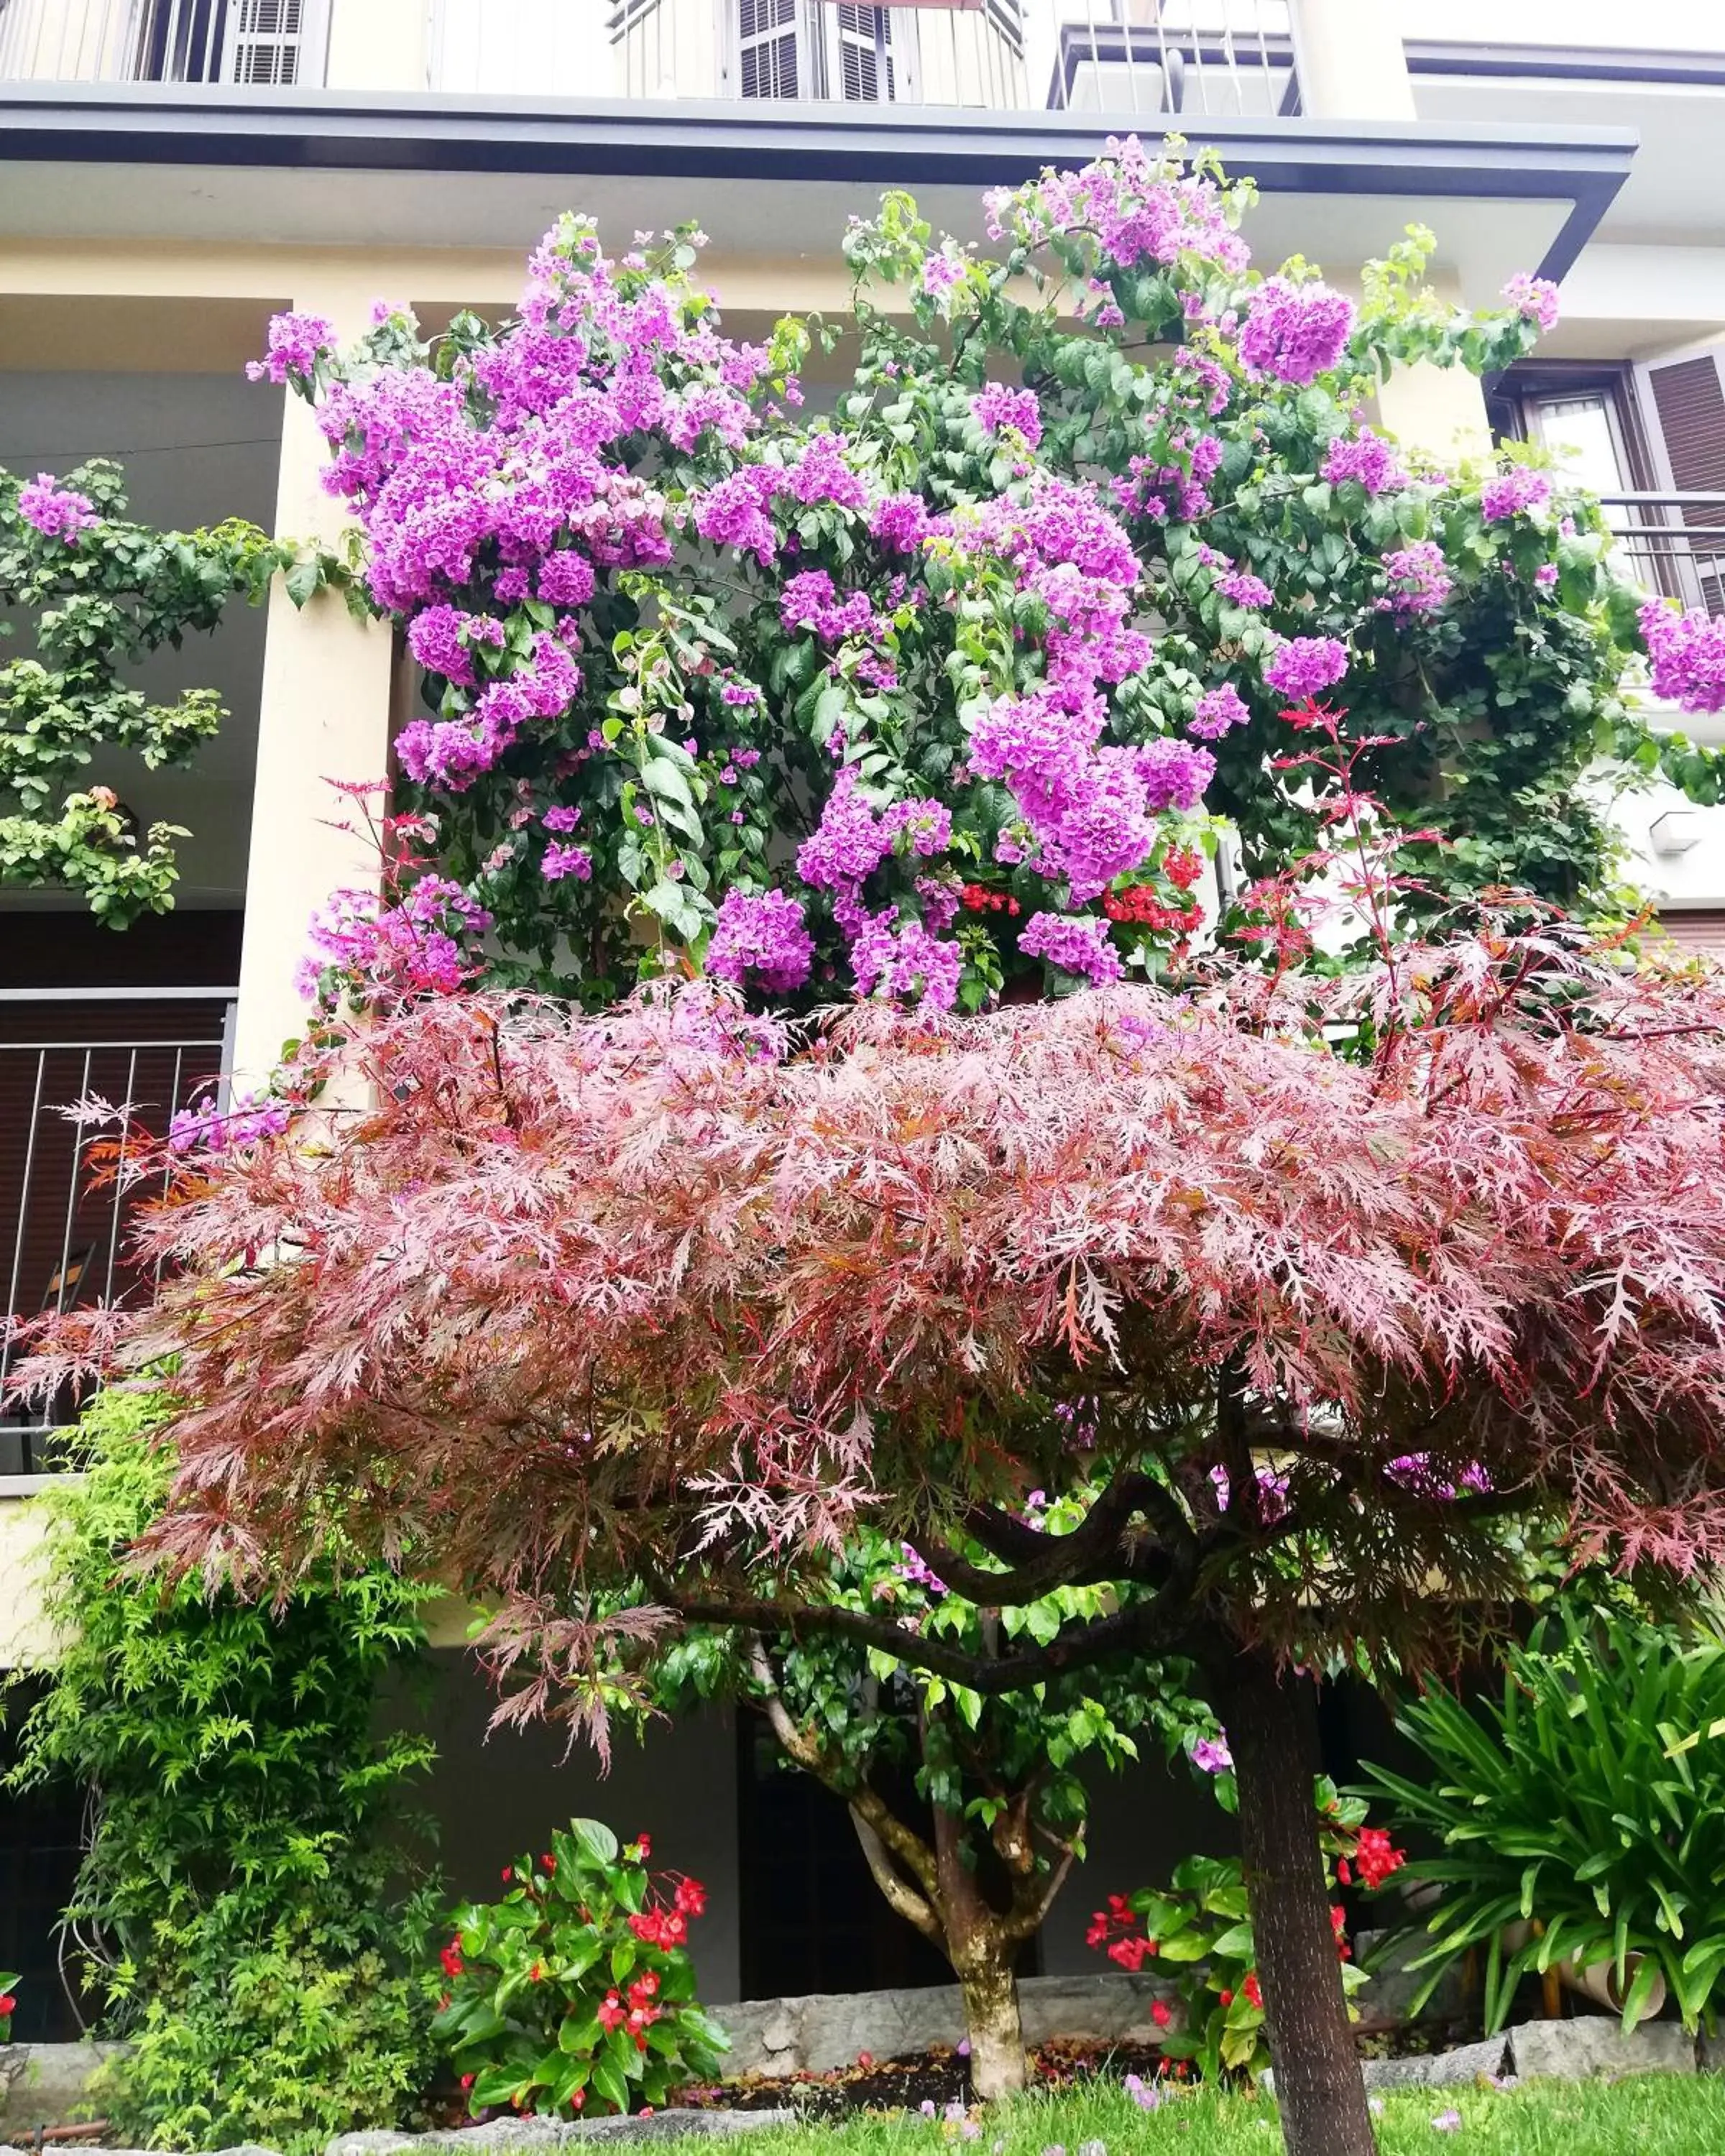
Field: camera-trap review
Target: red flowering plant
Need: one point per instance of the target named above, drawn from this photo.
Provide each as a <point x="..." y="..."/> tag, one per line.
<point x="575" y="1988"/>
<point x="1198" y="1932"/>
<point x="7" y="2003"/>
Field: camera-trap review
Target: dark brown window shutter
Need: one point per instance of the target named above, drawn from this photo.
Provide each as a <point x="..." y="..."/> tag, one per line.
<point x="1691" y="403"/>
<point x="1700" y="928"/>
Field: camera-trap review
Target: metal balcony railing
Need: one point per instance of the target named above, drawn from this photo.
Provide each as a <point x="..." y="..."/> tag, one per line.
<point x="63" y="1218"/>
<point x="1154" y="59"/>
<point x="235" y="44"/>
<point x="1170" y="56"/>
<point x="1157" y="60"/>
<point x="1673" y="544"/>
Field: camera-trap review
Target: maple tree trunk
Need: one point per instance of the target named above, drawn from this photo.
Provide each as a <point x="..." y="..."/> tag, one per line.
<point x="1319" y="2088"/>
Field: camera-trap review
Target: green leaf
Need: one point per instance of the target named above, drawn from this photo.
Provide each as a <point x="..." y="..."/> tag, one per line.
<point x="304" y="580"/>
<point x="597" y="1843"/>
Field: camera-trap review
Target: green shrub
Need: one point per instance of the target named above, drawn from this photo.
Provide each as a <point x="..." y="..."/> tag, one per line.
<point x="256" y="1918"/>
<point x="577" y="1980"/>
<point x="1196" y="1931"/>
<point x="1576" y="1806"/>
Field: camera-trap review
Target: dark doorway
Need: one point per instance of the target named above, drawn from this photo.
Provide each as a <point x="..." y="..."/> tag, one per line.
<point x="813" y="1920"/>
<point x="40" y="1834"/>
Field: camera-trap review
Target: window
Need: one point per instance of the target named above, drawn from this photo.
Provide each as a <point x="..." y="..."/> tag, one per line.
<point x="768" y="35"/>
<point x="256" y="42"/>
<point x="1650" y="440"/>
<point x="819" y="49"/>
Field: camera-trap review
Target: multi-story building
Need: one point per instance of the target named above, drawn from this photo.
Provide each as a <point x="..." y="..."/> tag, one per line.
<point x="173" y="171"/>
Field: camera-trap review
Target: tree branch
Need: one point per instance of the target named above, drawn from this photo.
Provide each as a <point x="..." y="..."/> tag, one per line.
<point x="866" y="1808"/>
<point x="901" y="1896"/>
<point x="1157" y="1626"/>
<point x="1029" y="1911"/>
<point x="1088" y="1556"/>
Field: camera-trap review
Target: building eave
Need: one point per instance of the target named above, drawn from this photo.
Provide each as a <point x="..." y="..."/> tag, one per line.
<point x="153" y="123"/>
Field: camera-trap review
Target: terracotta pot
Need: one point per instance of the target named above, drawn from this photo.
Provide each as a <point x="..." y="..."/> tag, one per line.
<point x="1599" y="1982"/>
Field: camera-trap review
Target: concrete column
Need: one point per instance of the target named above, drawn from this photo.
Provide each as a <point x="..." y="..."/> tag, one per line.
<point x="1350" y="61"/>
<point x="376" y="45"/>
<point x="1439" y="409"/>
<point x="323" y="714"/>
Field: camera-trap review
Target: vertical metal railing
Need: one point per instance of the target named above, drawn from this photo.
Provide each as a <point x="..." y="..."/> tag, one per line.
<point x="65" y="1210"/>
<point x="1209" y="58"/>
<point x="169" y="41"/>
<point x="1672" y="544"/>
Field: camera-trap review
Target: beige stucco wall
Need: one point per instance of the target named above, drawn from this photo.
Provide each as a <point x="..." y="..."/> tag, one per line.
<point x="25" y="1636"/>
<point x="376" y="45"/>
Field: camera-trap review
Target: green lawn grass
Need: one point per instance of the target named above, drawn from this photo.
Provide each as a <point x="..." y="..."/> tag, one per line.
<point x="1651" y="2115"/>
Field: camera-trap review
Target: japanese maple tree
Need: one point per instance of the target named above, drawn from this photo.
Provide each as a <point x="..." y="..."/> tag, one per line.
<point x="583" y="1297"/>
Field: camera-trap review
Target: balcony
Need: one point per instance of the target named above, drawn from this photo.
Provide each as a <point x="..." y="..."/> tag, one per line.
<point x="252" y="43"/>
<point x="1154" y="59"/>
<point x="1673" y="545"/>
<point x="62" y="1219"/>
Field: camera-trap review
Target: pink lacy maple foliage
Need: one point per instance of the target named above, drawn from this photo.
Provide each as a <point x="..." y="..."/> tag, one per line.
<point x="583" y="1295"/>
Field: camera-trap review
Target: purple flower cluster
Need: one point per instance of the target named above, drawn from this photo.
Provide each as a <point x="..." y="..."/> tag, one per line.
<point x="903" y="960"/>
<point x="1180" y="489"/>
<point x="56" y="512"/>
<point x="513" y="476"/>
<point x="899" y="521"/>
<point x="1534" y="298"/>
<point x="1420" y="1474"/>
<point x="996" y="408"/>
<point x="1520" y="488"/>
<point x="1175" y="774"/>
<point x="560" y="861"/>
<point x="1419" y="577"/>
<point x="1087" y="808"/>
<point x="942" y="270"/>
<point x="1244" y="590"/>
<point x="412" y="947"/>
<point x="1139" y="209"/>
<point x="759" y="940"/>
<point x="1367" y="458"/>
<point x="1217" y="710"/>
<point x="1294" y="332"/>
<point x="249" y="1118"/>
<point x="911" y="1569"/>
<point x="809" y="601"/>
<point x="1210" y="1755"/>
<point x="1077" y="943"/>
<point x="1687" y="654"/>
<point x="1307" y="665"/>
<point x="453" y="752"/>
<point x="295" y="344"/>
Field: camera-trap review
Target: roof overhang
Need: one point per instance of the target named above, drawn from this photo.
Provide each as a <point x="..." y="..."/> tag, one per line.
<point x="142" y="160"/>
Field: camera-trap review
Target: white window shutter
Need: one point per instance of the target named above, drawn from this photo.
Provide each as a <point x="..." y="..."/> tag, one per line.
<point x="773" y="53"/>
<point x="278" y="43"/>
<point x="868" y="59"/>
